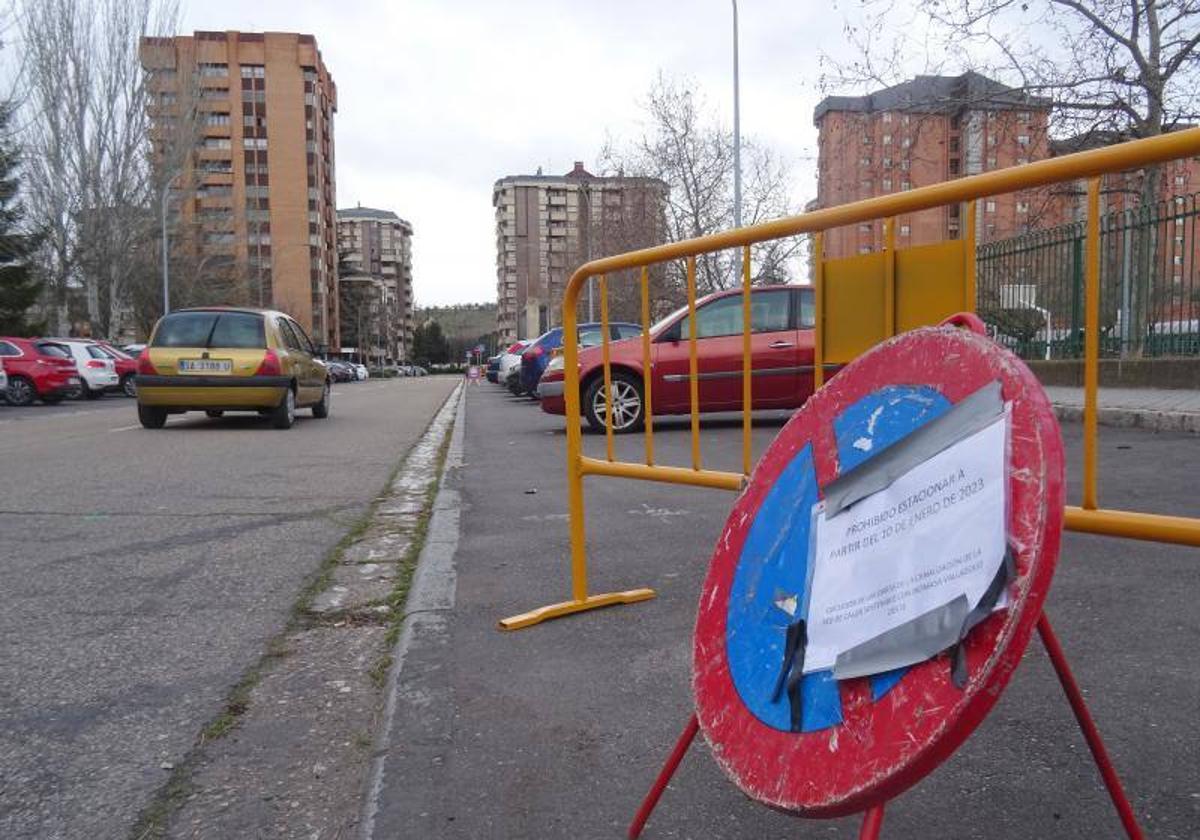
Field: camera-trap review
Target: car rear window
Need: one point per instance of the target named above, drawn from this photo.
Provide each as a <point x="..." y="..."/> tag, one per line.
<point x="211" y="329"/>
<point x="54" y="350"/>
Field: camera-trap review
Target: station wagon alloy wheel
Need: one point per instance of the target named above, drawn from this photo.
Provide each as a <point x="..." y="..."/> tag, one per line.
<point x="627" y="403"/>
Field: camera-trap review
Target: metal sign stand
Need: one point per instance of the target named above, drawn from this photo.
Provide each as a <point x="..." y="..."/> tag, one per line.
<point x="885" y="747"/>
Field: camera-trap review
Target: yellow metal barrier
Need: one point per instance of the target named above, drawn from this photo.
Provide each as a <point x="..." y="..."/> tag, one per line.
<point x="858" y="301"/>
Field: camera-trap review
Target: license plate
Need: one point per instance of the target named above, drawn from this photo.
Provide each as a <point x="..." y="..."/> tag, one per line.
<point x="205" y="365"/>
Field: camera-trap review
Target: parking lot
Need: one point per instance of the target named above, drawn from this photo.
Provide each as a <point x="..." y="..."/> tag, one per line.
<point x="558" y="730"/>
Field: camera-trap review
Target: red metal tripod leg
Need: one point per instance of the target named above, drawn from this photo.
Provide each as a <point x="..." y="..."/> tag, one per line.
<point x="1088" y="726"/>
<point x="872" y="823"/>
<point x="664" y="776"/>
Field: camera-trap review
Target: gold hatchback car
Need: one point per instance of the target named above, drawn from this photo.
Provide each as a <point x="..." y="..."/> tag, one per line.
<point x="218" y="359"/>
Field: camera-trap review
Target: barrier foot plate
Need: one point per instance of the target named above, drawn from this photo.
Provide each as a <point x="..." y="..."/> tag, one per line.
<point x="592" y="602"/>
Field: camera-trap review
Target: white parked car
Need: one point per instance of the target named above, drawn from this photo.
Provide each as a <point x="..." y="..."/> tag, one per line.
<point x="508" y="360"/>
<point x="361" y="372"/>
<point x="97" y="369"/>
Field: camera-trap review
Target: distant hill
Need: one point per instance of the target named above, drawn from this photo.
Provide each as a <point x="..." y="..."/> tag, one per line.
<point x="464" y="325"/>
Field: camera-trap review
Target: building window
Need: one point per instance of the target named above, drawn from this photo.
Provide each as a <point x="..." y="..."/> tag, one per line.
<point x="991" y="229"/>
<point x="214" y="70"/>
<point x="887" y="184"/>
<point x="864" y="249"/>
<point x="1178" y="259"/>
<point x="214" y="118"/>
<point x="254" y="96"/>
<point x="1180" y="180"/>
<point x="905" y="120"/>
<point x="904" y="165"/>
<point x="254" y="71"/>
<point x="1021" y="161"/>
<point x="866" y="161"/>
<point x="905" y="230"/>
<point x="865" y="227"/>
<point x="905" y="185"/>
<point x="1022" y="206"/>
<point x="906" y="143"/>
<point x="887" y="117"/>
<point x="253" y="143"/>
<point x="1022" y="139"/>
<point x="887" y="163"/>
<point x="989" y="206"/>
<point x="887" y="139"/>
<point x="1023" y="116"/>
<point x="216" y="142"/>
<point x="992" y="162"/>
<point x="991" y="140"/>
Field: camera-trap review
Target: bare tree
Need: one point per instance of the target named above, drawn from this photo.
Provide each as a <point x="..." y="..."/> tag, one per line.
<point x="684" y="144"/>
<point x="90" y="185"/>
<point x="1112" y="68"/>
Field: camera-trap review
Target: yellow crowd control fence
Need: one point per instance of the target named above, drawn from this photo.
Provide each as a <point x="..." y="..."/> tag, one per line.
<point x="859" y="301"/>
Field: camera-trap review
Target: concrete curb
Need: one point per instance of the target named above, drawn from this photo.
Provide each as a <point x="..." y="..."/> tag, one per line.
<point x="431" y="594"/>
<point x="1130" y="418"/>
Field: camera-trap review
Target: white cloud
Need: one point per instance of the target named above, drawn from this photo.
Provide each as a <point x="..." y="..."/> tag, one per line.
<point x="438" y="100"/>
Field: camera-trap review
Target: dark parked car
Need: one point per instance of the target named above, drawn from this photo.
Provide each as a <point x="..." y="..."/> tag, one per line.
<point x="537" y="355"/>
<point x="341" y="372"/>
<point x="493" y="368"/>
<point x="38" y="370"/>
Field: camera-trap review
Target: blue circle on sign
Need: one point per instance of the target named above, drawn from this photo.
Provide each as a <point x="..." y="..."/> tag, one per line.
<point x="770" y="585"/>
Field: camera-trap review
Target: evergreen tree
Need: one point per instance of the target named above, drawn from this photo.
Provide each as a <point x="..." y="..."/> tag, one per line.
<point x="19" y="285"/>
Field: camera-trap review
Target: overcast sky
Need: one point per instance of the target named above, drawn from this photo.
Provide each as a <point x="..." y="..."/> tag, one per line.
<point x="436" y="100"/>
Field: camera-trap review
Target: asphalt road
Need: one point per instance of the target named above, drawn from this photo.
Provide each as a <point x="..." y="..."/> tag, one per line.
<point x="141" y="574"/>
<point x="558" y="730"/>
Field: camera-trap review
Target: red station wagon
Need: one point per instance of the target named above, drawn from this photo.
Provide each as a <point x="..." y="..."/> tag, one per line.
<point x="37" y="369"/>
<point x="781" y="346"/>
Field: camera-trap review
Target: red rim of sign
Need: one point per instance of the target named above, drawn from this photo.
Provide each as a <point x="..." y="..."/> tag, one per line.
<point x="882" y="748"/>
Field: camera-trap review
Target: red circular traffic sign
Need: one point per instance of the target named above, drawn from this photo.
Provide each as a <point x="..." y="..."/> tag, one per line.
<point x="866" y="740"/>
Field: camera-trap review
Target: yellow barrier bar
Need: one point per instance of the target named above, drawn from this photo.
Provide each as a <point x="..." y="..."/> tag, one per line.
<point x="971" y="292"/>
<point x="1136" y="153"/>
<point x="1091" y="342"/>
<point x="1179" y="530"/>
<point x="574" y="449"/>
<point x="608" y="395"/>
<point x="693" y="363"/>
<point x="747" y="393"/>
<point x="818" y="310"/>
<point x="889" y="277"/>
<point x="647" y="379"/>
<point x="715" y="479"/>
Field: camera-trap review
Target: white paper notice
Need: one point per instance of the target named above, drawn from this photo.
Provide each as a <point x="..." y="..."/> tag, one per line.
<point x="935" y="533"/>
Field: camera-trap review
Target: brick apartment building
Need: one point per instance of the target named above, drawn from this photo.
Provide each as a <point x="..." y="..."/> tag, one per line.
<point x="547" y="226"/>
<point x="921" y="132"/>
<point x="246" y="118"/>
<point x="375" y="248"/>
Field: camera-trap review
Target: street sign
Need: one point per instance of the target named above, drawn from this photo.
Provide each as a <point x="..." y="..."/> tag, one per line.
<point x="855" y="732"/>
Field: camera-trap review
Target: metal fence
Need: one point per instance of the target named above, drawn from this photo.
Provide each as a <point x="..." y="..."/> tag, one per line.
<point x="1030" y="287"/>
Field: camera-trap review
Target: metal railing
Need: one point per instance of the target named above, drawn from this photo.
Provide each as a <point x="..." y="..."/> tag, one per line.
<point x="1031" y="287"/>
<point x="1088" y="165"/>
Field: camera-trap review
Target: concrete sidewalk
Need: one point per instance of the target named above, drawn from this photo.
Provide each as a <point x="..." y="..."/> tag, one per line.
<point x="556" y="731"/>
<point x="1154" y="409"/>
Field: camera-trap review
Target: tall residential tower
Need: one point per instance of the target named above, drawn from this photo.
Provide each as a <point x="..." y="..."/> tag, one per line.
<point x="242" y="126"/>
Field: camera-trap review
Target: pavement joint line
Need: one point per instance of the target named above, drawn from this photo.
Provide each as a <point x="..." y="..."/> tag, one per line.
<point x="432" y="591"/>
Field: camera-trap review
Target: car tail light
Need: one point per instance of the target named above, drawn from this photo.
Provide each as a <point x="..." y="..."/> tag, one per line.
<point x="144" y="366"/>
<point x="96" y="363"/>
<point x="270" y="365"/>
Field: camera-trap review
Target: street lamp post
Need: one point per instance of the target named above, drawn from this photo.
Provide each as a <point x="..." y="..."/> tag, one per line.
<point x="737" y="130"/>
<point x="166" y="194"/>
